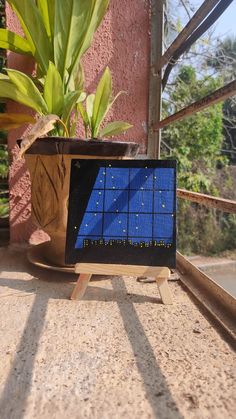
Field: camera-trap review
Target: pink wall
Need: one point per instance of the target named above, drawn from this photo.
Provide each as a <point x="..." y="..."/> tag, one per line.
<point x="122" y="43"/>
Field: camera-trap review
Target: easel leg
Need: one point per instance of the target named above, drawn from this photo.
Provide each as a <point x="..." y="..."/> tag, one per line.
<point x="81" y="286"/>
<point x="164" y="289"/>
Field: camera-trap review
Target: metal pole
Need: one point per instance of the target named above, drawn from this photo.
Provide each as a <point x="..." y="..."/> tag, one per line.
<point x="213" y="98"/>
<point x="155" y="84"/>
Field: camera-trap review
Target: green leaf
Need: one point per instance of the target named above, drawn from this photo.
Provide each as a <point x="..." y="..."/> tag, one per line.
<point x="84" y="116"/>
<point x="35" y="31"/>
<point x="75" y="23"/>
<point x="26" y="86"/>
<point x="13" y="42"/>
<point x="97" y="11"/>
<point x="89" y="106"/>
<point x="70" y="101"/>
<point x="47" y="11"/>
<point x="53" y="90"/>
<point x="9" y="121"/>
<point x="114" y="128"/>
<point x="9" y="91"/>
<point x="102" y="101"/>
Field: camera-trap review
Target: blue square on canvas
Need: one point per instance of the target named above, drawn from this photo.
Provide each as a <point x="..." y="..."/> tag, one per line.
<point x="117" y="178"/>
<point x="164" y="201"/>
<point x="140" y="225"/>
<point x="91" y="224"/>
<point x="164" y="179"/>
<point x="115" y="225"/>
<point x="95" y="202"/>
<point x="141" y="201"/>
<point x="163" y="225"/>
<point x="141" y="178"/>
<point x="116" y="201"/>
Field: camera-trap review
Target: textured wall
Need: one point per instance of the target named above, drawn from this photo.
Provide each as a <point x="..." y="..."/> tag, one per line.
<point x="122" y="43"/>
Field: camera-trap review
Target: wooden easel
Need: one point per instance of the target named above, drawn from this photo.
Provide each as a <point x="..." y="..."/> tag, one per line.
<point x="86" y="270"/>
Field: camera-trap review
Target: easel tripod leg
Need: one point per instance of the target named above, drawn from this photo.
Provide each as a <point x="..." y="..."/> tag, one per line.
<point x="81" y="286"/>
<point x="164" y="289"/>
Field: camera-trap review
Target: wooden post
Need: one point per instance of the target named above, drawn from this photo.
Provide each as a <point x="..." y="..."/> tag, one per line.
<point x="155" y="84"/>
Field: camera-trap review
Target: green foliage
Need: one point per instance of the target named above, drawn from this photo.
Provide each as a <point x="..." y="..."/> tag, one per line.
<point x="196" y="141"/>
<point x="55" y="31"/>
<point x="205" y="231"/>
<point x="57" y="34"/>
<point x="4" y="207"/>
<point x="224" y="62"/>
<point x="97" y="107"/>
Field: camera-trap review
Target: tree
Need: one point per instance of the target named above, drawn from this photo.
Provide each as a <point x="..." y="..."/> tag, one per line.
<point x="196" y="141"/>
<point x="224" y="62"/>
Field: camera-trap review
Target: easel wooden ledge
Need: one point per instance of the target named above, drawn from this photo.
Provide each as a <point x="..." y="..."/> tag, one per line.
<point x="86" y="270"/>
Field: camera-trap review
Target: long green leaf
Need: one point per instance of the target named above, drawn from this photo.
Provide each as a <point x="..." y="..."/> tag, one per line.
<point x="89" y="106"/>
<point x="102" y="101"/>
<point x="84" y="116"/>
<point x="26" y="86"/>
<point x="35" y="31"/>
<point x="9" y="91"/>
<point x="47" y="11"/>
<point x="75" y="23"/>
<point x="114" y="128"/>
<point x="53" y="90"/>
<point x="98" y="9"/>
<point x="69" y="103"/>
<point x="13" y="42"/>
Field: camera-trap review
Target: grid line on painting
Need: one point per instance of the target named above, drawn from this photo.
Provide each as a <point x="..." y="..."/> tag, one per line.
<point x="131" y="211"/>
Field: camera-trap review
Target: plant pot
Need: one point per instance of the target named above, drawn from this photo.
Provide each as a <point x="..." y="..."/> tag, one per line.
<point x="49" y="162"/>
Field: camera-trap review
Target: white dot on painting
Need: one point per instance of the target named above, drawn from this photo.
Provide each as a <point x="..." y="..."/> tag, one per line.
<point x="141" y="188"/>
<point x="113" y="187"/>
<point x="109" y="165"/>
<point x="104" y="173"/>
<point x="95" y="215"/>
<point x="112" y="177"/>
<point x="86" y="225"/>
<point x="119" y="222"/>
<point x="155" y="177"/>
<point x="136" y="215"/>
<point x="97" y="203"/>
<point x="114" y="200"/>
<point x="99" y="193"/>
<point x="100" y="181"/>
<point x="146" y="177"/>
<point x="142" y="204"/>
<point x="124" y="231"/>
<point x="163" y="206"/>
<point x="117" y="211"/>
<point x="136" y="228"/>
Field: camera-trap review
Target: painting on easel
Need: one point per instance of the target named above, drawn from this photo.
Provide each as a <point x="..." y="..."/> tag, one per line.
<point x="122" y="211"/>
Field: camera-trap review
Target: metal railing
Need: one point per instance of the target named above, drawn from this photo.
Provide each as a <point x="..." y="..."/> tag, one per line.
<point x="209" y="12"/>
<point x="216" y="300"/>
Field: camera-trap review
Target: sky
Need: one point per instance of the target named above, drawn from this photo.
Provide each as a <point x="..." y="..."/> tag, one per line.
<point x="226" y="25"/>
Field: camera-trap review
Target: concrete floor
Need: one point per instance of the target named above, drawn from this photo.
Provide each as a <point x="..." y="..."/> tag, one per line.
<point x="117" y="354"/>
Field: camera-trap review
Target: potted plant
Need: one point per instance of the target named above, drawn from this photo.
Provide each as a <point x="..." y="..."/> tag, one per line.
<point x="57" y="37"/>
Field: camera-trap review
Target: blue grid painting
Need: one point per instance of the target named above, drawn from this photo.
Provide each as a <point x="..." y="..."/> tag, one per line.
<point x="132" y="205"/>
<point x="122" y="212"/>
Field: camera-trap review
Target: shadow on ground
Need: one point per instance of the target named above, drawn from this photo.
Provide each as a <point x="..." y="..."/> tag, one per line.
<point x="51" y="285"/>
